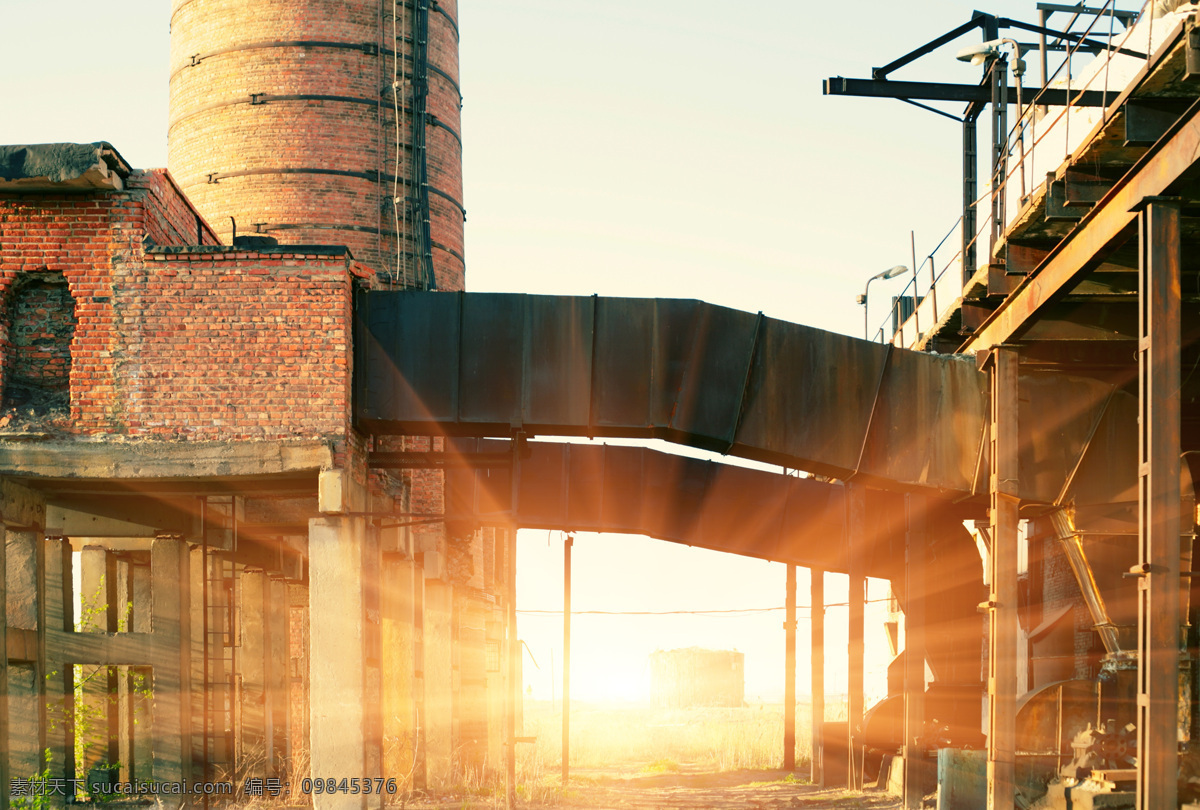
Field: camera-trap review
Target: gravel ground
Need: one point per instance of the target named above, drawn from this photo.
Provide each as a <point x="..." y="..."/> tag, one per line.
<point x="733" y="790"/>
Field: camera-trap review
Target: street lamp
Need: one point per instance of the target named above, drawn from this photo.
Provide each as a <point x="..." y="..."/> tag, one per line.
<point x="862" y="299"/>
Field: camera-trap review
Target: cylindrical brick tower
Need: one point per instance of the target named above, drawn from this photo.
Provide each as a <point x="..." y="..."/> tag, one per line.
<point x="324" y="122"/>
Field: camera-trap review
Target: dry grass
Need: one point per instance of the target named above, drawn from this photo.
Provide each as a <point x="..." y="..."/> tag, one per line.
<point x="643" y="738"/>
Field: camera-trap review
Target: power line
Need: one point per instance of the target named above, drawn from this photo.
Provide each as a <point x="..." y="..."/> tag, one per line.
<point x="687" y="612"/>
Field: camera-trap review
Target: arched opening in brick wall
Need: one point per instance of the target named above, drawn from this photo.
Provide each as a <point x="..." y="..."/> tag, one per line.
<point x="40" y="316"/>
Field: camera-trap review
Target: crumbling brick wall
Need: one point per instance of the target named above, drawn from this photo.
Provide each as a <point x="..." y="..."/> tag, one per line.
<point x="168" y="341"/>
<point x="40" y="314"/>
<point x="83" y="238"/>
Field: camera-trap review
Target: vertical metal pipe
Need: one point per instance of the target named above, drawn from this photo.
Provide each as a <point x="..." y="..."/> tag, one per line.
<point x="512" y="652"/>
<point x="514" y="646"/>
<point x="999" y="70"/>
<point x="1002" y="602"/>
<point x="817" y="662"/>
<point x="856" y="501"/>
<point x="914" y="650"/>
<point x="1043" y="17"/>
<point x="970" y="189"/>
<point x="1158" y="504"/>
<point x="789" y="673"/>
<point x="566" y="692"/>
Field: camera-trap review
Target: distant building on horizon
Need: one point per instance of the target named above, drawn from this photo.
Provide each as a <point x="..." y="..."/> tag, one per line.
<point x="695" y="676"/>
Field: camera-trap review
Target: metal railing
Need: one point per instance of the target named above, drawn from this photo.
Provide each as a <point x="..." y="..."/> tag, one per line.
<point x="937" y="292"/>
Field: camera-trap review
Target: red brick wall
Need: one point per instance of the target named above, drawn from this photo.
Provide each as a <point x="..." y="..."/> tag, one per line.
<point x="84" y="237"/>
<point x="233" y="346"/>
<point x="215" y="127"/>
<point x="175" y="343"/>
<point x="170" y="219"/>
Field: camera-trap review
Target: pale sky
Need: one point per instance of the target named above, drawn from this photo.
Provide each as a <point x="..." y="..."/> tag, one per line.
<point x="676" y="148"/>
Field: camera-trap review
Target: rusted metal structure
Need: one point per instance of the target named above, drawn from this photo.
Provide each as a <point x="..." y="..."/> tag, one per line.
<point x="1054" y="419"/>
<point x="1054" y="416"/>
<point x="1087" y="274"/>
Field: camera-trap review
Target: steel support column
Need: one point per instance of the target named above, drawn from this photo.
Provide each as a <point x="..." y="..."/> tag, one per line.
<point x="513" y="645"/>
<point x="1002" y="602"/>
<point x="1158" y="504"/>
<point x="970" y="184"/>
<point x="856" y="506"/>
<point x="817" y="662"/>
<point x="914" y="650"/>
<point x="512" y="652"/>
<point x="566" y="704"/>
<point x="789" y="672"/>
<point x="998" y="70"/>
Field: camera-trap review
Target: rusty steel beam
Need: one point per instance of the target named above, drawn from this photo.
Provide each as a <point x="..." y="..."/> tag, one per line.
<point x="914" y="650"/>
<point x="857" y="535"/>
<point x="1100" y="230"/>
<point x="1002" y="603"/>
<point x="1158" y="506"/>
<point x="817" y="663"/>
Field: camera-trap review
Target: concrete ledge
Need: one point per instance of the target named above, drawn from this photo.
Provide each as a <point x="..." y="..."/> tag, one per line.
<point x="74" y="458"/>
<point x="50" y="167"/>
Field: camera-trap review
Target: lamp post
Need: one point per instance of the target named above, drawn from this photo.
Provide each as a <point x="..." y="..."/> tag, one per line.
<point x="862" y="299"/>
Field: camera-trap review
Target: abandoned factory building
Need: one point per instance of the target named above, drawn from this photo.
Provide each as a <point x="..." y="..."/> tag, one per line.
<point x="263" y="460"/>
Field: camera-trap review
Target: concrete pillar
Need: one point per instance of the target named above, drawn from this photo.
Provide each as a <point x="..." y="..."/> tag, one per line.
<point x="25" y="758"/>
<point x="134" y="606"/>
<point x="5" y="710"/>
<point x="196" y="616"/>
<point x="439" y="692"/>
<point x="56" y="678"/>
<point x="254" y="630"/>
<point x="277" y="677"/>
<point x="298" y="700"/>
<point x="124" y="707"/>
<point x="399" y="664"/>
<point x="336" y="642"/>
<point x="96" y="716"/>
<point x="218" y="693"/>
<point x="471" y="697"/>
<point x="496" y="689"/>
<point x="1003" y="619"/>
<point x="170" y="586"/>
<point x="914" y="651"/>
<point x="22" y="752"/>
<point x="420" y="766"/>
<point x="372" y="564"/>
